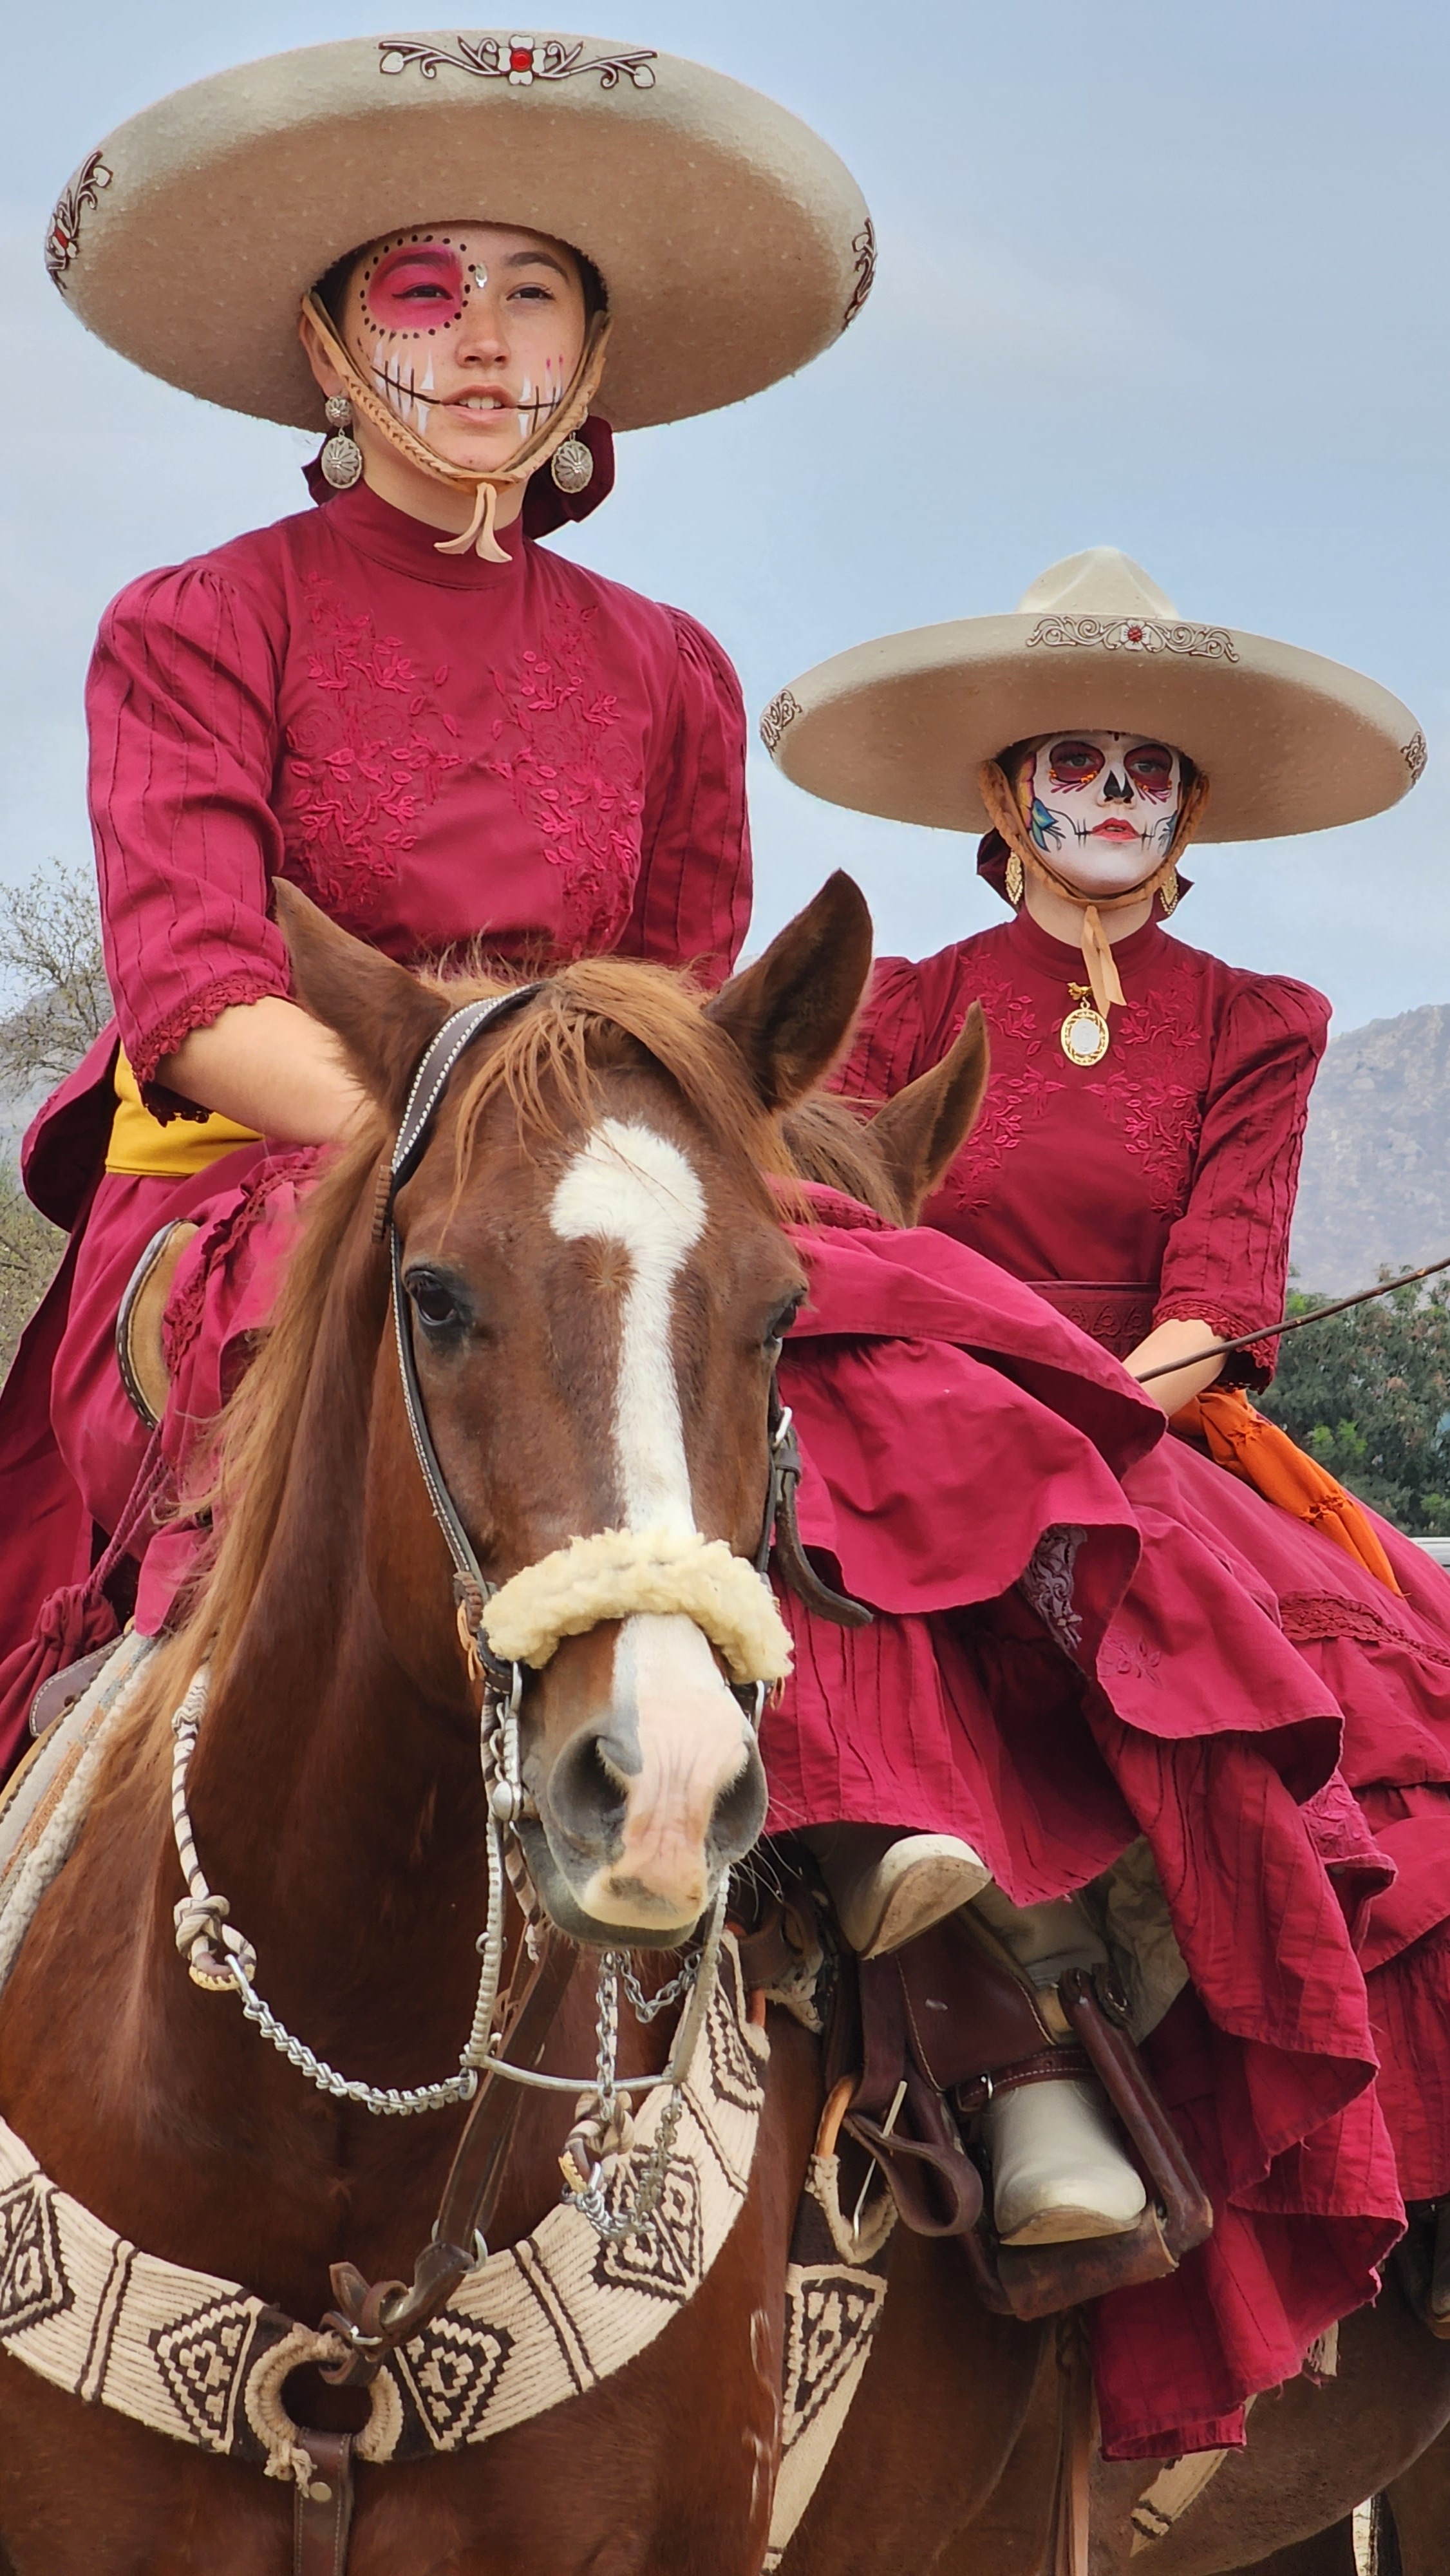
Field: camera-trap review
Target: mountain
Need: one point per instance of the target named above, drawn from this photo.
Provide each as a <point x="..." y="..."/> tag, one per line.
<point x="1375" y="1185"/>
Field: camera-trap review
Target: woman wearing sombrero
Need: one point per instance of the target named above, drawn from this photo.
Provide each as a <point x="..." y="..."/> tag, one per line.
<point x="1138" y="1151"/>
<point x="465" y="263"/>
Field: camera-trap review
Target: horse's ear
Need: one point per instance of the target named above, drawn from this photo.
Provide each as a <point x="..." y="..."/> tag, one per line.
<point x="922" y="1130"/>
<point x="790" y="1014"/>
<point x="384" y="1017"/>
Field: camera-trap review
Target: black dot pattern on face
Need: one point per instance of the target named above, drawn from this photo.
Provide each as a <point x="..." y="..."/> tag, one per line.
<point x="394" y="241"/>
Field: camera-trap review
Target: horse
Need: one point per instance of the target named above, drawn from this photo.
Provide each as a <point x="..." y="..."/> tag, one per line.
<point x="597" y="1282"/>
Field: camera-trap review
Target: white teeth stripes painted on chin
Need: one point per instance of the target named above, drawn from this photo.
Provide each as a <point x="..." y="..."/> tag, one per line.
<point x="632" y="1187"/>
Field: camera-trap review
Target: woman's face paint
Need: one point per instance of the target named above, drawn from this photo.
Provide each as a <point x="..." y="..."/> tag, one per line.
<point x="1101" y="807"/>
<point x="470" y="332"/>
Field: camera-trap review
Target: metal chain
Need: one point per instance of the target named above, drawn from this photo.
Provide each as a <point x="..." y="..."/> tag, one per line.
<point x="599" y="2130"/>
<point x="647" y="2008"/>
<point x="221" y="1960"/>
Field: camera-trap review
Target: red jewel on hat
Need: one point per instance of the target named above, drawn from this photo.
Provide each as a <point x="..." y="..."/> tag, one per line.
<point x="1135" y="635"/>
<point x="521" y="58"/>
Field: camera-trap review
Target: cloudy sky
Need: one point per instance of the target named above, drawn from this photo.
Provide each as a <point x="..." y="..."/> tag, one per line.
<point x="1154" y="275"/>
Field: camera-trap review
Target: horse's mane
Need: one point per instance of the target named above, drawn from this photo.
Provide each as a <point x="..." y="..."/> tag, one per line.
<point x="828" y="1140"/>
<point x="597" y="1013"/>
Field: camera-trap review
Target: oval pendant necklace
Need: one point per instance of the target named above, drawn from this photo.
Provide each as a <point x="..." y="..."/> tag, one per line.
<point x="1084" y="1035"/>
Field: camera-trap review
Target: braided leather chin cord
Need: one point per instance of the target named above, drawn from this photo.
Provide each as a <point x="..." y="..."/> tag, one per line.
<point x="541" y="443"/>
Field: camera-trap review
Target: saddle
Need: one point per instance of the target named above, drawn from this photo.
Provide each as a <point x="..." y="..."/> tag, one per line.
<point x="917" y="2043"/>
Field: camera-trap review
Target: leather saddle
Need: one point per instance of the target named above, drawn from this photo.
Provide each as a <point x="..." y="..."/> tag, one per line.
<point x="925" y="2036"/>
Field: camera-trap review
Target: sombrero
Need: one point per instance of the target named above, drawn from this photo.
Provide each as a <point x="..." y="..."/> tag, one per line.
<point x="1289" y="741"/>
<point x="733" y="244"/>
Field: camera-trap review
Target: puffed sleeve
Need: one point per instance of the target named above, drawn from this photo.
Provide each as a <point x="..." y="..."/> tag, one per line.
<point x="912" y="1012"/>
<point x="692" y="899"/>
<point x="1227" y="1260"/>
<point x="182" y="707"/>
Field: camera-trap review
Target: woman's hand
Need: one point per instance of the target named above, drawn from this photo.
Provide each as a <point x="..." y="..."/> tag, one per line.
<point x="1169" y="1342"/>
<point x="270" y="1067"/>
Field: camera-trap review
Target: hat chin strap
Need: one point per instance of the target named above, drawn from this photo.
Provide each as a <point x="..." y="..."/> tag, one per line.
<point x="536" y="450"/>
<point x="1005" y="814"/>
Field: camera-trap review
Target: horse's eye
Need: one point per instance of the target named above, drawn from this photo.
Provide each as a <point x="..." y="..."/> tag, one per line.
<point x="434" y="1302"/>
<point x="782" y="1320"/>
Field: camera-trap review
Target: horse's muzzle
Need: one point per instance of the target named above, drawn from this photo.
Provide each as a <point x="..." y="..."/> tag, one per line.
<point x="649" y="1802"/>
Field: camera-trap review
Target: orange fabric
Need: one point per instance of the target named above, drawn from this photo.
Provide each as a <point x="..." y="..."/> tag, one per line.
<point x="1249" y="1445"/>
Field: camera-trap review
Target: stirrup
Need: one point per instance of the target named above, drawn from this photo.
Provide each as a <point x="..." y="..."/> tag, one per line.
<point x="139" y="1352"/>
<point x="1060" y="2175"/>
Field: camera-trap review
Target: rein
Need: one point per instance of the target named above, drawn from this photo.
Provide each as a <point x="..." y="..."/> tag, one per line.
<point x="374" y="2319"/>
<point x="1293" y="1323"/>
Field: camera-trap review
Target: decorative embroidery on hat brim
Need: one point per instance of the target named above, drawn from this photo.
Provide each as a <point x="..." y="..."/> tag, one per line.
<point x="1137" y="635"/>
<point x="521" y="60"/>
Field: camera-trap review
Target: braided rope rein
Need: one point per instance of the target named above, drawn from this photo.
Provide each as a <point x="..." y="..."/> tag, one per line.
<point x="221" y="1960"/>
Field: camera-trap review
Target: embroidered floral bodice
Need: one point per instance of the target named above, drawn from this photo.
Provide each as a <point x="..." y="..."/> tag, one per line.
<point x="437" y="750"/>
<point x="1156" y="1183"/>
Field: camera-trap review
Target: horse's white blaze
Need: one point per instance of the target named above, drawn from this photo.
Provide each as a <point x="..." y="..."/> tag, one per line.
<point x="634" y="1188"/>
<point x="675" y="1723"/>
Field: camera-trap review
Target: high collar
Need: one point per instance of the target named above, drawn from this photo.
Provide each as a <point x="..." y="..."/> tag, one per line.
<point x="407" y="545"/>
<point x="1063" y="962"/>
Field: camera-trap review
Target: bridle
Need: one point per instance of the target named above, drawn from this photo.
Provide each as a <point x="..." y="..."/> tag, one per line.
<point x="375" y="2318"/>
<point x="472" y="1588"/>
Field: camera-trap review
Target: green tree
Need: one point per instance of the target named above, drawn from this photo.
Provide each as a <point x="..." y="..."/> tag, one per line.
<point x="1368" y="1394"/>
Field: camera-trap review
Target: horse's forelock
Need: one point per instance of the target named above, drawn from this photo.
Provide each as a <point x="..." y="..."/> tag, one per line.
<point x="591" y="1017"/>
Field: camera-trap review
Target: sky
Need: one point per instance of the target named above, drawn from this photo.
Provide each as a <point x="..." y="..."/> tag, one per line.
<point x="1153" y="274"/>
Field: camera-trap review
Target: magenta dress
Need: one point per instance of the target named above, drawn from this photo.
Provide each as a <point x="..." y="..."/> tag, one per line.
<point x="440" y="752"/>
<point x="1160" y="1184"/>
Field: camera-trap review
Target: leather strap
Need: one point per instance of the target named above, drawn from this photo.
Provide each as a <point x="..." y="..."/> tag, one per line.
<point x="322" y="2511"/>
<point x="1187" y="2211"/>
<point x="1060" y="2065"/>
<point x="386" y="2313"/>
<point x="431" y="1080"/>
<point x="780" y="1519"/>
<point x="59" y="1694"/>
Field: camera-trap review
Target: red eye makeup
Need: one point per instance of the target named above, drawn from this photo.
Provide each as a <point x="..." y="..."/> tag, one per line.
<point x="419" y="286"/>
<point x="1074" y="764"/>
<point x="1150" y="767"/>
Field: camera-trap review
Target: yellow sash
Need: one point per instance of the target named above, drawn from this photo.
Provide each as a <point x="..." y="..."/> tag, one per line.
<point x="141" y="1145"/>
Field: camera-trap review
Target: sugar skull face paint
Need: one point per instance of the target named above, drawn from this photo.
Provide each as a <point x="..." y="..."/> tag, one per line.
<point x="416" y="286"/>
<point x="470" y="332"/>
<point x="1101" y="807"/>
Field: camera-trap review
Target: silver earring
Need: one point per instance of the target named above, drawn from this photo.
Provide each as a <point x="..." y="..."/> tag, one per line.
<point x="342" y="458"/>
<point x="572" y="465"/>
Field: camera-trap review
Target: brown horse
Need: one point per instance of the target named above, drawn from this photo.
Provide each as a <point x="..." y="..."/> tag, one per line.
<point x="336" y="1796"/>
<point x="599" y="1280"/>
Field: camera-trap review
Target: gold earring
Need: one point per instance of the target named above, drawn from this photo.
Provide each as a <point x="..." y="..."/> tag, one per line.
<point x="1014" y="878"/>
<point x="1168" y="892"/>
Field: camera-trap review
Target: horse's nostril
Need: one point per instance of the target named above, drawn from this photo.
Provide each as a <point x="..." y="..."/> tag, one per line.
<point x="739" y="1812"/>
<point x="585" y="1799"/>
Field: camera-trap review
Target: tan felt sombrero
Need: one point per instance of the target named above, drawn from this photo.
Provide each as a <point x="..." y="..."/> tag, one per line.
<point x="1288" y="741"/>
<point x="733" y="243"/>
